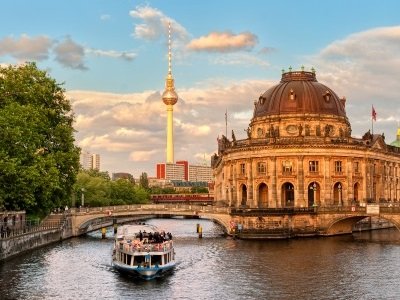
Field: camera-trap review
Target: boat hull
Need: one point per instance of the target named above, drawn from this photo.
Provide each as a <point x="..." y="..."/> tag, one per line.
<point x="146" y="273"/>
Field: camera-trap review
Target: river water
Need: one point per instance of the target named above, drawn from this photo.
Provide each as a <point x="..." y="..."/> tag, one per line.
<point x="363" y="266"/>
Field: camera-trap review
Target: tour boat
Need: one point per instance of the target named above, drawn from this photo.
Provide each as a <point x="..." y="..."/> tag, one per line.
<point x="143" y="251"/>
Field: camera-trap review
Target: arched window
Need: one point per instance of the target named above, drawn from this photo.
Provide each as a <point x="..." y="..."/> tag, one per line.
<point x="262" y="195"/>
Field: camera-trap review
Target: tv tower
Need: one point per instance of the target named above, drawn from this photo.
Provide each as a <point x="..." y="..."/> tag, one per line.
<point x="170" y="97"/>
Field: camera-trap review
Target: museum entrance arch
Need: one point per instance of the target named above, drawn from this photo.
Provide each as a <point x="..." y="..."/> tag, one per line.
<point x="287" y="195"/>
<point x="262" y="195"/>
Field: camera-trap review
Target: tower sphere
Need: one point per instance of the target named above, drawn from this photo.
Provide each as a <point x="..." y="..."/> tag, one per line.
<point x="169" y="97"/>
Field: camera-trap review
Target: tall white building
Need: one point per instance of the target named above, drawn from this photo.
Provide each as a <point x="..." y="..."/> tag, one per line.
<point x="90" y="161"/>
<point x="96" y="162"/>
<point x="200" y="173"/>
<point x="85" y="160"/>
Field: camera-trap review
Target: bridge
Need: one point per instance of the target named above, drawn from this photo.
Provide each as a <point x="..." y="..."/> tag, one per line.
<point x="88" y="219"/>
<point x="246" y="223"/>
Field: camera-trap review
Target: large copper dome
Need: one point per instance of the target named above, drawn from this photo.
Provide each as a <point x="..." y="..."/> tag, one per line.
<point x="299" y="92"/>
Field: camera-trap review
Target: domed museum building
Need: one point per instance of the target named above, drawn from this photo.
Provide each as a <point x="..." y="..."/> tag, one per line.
<point x="300" y="153"/>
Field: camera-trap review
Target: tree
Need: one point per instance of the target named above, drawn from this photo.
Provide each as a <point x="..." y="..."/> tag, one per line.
<point x="96" y="189"/>
<point x="38" y="159"/>
<point x="199" y="190"/>
<point x="144" y="181"/>
<point x="101" y="191"/>
<point x="122" y="192"/>
<point x="97" y="173"/>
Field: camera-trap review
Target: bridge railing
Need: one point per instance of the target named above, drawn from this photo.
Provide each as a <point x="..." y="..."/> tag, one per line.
<point x="266" y="211"/>
<point x="27" y="227"/>
<point x="298" y="210"/>
<point x="146" y="207"/>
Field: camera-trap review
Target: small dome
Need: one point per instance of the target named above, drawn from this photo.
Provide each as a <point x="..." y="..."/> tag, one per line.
<point x="299" y="92"/>
<point x="396" y="143"/>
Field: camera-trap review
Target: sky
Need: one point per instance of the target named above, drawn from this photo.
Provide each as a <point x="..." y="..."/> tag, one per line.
<point x="112" y="58"/>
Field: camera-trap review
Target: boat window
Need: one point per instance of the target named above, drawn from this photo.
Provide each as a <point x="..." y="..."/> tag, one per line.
<point x="138" y="259"/>
<point x="156" y="260"/>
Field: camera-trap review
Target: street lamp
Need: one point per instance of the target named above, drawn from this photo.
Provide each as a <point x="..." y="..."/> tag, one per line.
<point x="314" y="187"/>
<point x="340" y="194"/>
<point x="83" y="197"/>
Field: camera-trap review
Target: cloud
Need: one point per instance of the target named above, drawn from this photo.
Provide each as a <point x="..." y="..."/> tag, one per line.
<point x="267" y="50"/>
<point x="369" y="59"/>
<point x="154" y="24"/>
<point x="141" y="155"/>
<point x="70" y="54"/>
<point x="364" y="67"/>
<point x="128" y="56"/>
<point x="244" y="59"/>
<point x="224" y="42"/>
<point x="105" y="17"/>
<point x="26" y="48"/>
<point x="129" y="130"/>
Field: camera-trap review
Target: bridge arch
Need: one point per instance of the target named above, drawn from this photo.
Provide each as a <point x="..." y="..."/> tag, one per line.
<point x="345" y="224"/>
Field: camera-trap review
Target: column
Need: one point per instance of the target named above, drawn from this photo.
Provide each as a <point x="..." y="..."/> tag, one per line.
<point x="275" y="202"/>
<point x="250" y="191"/>
<point x="300" y="201"/>
<point x="327" y="194"/>
<point x="233" y="188"/>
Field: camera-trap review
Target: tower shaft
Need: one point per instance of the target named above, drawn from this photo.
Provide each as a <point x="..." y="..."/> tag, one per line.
<point x="170" y="134"/>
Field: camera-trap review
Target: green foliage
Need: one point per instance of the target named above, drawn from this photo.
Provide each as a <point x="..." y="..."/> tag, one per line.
<point x="95" y="190"/>
<point x="99" y="190"/>
<point x="97" y="173"/>
<point x="144" y="181"/>
<point x="199" y="190"/>
<point x="170" y="190"/>
<point x="38" y="159"/>
<point x="160" y="190"/>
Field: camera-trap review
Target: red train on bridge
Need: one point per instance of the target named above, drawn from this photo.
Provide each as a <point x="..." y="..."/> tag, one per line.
<point x="203" y="199"/>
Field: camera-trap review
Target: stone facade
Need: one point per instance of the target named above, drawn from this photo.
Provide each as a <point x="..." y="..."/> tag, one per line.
<point x="300" y="153"/>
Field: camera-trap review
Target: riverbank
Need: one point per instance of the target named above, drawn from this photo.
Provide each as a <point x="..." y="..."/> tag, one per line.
<point x="31" y="235"/>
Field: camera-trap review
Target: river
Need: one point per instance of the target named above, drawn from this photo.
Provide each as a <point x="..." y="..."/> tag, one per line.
<point x="362" y="266"/>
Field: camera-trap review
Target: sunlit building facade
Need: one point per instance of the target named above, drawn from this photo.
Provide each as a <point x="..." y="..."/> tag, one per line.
<point x="299" y="152"/>
<point x="183" y="171"/>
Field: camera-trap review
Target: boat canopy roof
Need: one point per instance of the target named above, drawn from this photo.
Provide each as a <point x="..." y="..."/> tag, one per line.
<point x="133" y="230"/>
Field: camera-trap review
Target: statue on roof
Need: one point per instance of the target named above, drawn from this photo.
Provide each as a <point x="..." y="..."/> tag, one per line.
<point x="367" y="135"/>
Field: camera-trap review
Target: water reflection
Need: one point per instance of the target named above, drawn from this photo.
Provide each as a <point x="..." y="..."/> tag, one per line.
<point x="363" y="266"/>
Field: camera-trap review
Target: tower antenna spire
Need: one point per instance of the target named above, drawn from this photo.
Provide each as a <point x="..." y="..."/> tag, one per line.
<point x="170" y="98"/>
<point x="169" y="50"/>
